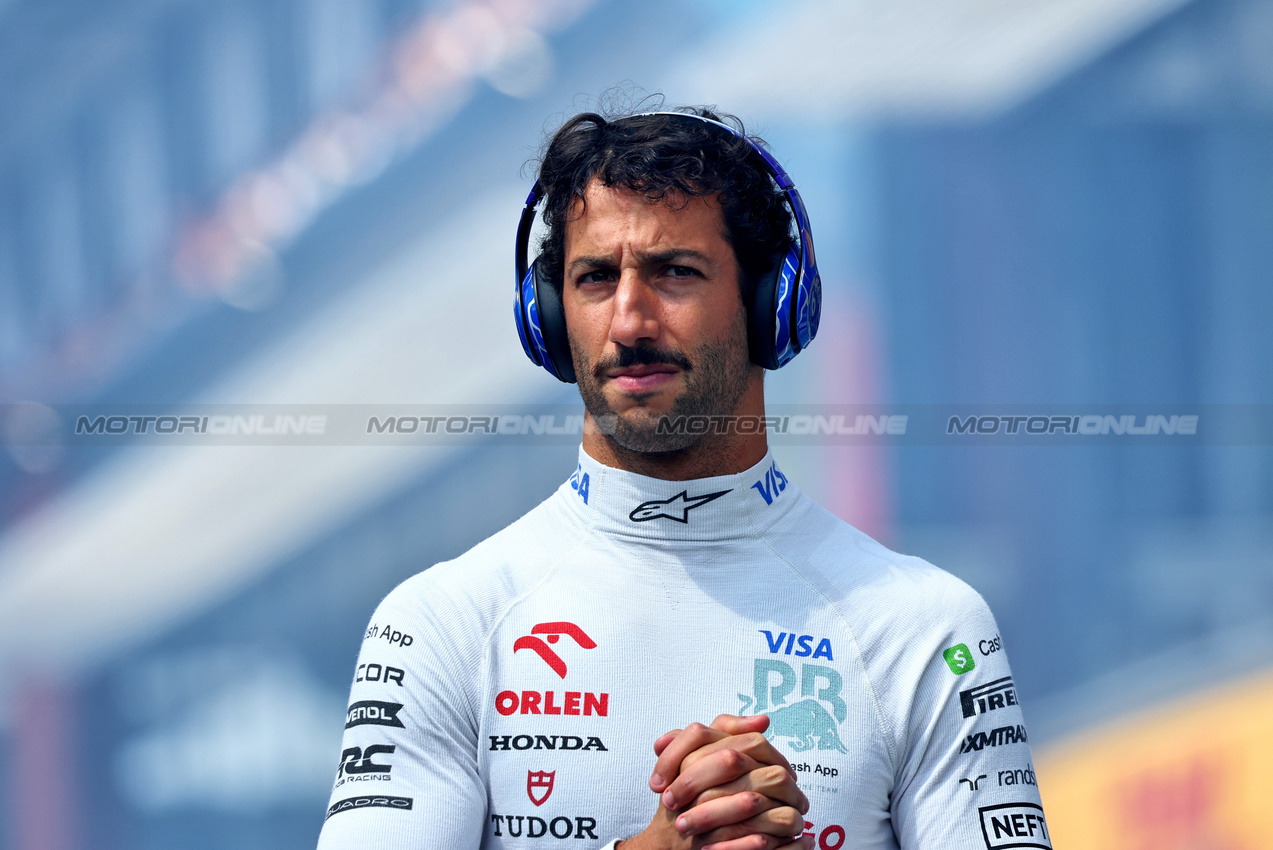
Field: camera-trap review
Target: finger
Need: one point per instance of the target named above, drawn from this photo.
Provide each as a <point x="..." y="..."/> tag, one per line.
<point x="733" y="724"/>
<point x="723" y="811"/>
<point x="715" y="768"/>
<point x="665" y="770"/>
<point x="754" y="841"/>
<point x="753" y="744"/>
<point x="763" y="842"/>
<point x="782" y="823"/>
<point x="770" y="780"/>
<point x="804" y="842"/>
<point x="661" y="744"/>
<point x="683" y="743"/>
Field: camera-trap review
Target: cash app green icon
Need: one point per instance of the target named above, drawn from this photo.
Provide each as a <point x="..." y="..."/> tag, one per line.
<point x="959" y="659"/>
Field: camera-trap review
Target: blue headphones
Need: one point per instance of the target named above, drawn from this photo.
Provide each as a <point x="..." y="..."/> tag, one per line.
<point x="782" y="316"/>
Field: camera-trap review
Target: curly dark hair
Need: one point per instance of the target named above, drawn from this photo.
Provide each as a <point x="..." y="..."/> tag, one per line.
<point x="666" y="159"/>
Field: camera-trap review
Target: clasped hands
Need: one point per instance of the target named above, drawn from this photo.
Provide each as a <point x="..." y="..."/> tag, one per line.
<point x="723" y="787"/>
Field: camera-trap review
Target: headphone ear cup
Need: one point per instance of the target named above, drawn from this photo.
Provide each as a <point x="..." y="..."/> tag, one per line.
<point x="554" y="341"/>
<point x="769" y="314"/>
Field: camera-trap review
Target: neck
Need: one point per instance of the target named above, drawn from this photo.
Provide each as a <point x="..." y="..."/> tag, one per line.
<point x="716" y="454"/>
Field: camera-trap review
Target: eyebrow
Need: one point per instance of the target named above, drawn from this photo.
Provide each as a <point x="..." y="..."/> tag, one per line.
<point x="657" y="258"/>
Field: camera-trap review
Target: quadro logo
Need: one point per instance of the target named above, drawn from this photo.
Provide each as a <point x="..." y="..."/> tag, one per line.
<point x="370" y="801"/>
<point x="958" y="659"/>
<point x="1014" y="825"/>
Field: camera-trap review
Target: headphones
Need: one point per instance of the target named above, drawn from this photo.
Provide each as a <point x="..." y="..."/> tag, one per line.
<point x="782" y="315"/>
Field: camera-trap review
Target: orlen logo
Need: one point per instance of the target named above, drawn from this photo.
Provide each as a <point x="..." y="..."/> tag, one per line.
<point x="553" y="632"/>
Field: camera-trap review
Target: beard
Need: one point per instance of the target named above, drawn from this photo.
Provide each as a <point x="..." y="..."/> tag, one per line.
<point x="715" y="379"/>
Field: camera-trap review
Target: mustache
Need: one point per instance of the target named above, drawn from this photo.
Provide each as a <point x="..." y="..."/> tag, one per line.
<point x="643" y="355"/>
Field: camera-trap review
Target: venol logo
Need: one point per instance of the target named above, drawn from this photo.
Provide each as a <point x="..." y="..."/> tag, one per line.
<point x="811" y="722"/>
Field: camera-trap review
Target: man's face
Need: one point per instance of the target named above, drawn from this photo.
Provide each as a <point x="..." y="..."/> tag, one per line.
<point x="652" y="305"/>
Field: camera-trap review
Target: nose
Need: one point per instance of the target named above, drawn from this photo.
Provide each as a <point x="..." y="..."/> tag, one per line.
<point x="635" y="311"/>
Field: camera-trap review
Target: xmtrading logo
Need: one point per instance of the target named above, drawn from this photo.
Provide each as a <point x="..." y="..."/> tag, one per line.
<point x="553" y="632"/>
<point x="959" y="659"/>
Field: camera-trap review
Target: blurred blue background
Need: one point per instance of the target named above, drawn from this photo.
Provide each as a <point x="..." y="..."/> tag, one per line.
<point x="313" y="202"/>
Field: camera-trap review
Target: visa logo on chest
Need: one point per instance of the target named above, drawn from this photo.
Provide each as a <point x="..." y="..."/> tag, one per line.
<point x="772" y="485"/>
<point x="799" y="645"/>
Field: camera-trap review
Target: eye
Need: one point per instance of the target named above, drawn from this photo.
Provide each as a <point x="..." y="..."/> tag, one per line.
<point x="596" y="276"/>
<point x="682" y="272"/>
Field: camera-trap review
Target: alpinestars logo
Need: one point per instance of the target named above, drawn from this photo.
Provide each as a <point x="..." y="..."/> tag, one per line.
<point x="678" y="507"/>
<point x="553" y="633"/>
<point x="539" y="785"/>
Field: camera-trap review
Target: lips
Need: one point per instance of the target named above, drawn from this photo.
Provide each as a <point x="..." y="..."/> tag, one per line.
<point x="643" y="378"/>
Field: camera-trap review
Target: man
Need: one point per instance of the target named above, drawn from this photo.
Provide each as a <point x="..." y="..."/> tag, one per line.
<point x="511" y="697"/>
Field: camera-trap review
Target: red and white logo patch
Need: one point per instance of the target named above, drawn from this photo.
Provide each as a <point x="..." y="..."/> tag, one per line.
<point x="539" y="785"/>
<point x="553" y="633"/>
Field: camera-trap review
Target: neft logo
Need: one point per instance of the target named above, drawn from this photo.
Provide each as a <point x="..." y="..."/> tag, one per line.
<point x="376" y="801"/>
<point x="772" y="485"/>
<point x="553" y="631"/>
<point x="989" y="697"/>
<point x="1014" y="825"/>
<point x="995" y="738"/>
<point x="370" y="712"/>
<point x="358" y="760"/>
<point x="677" y="508"/>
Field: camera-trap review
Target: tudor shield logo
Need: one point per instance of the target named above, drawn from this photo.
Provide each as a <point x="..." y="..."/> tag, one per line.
<point x="676" y="508"/>
<point x="539" y="785"/>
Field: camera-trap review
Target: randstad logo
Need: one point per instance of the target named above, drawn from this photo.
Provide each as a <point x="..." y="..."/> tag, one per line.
<point x="772" y="485"/>
<point x="804" y="724"/>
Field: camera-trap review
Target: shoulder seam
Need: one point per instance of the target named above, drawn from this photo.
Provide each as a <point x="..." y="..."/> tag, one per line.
<point x="880" y="717"/>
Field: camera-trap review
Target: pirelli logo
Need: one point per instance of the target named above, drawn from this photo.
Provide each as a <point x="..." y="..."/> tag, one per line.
<point x="1014" y="825"/>
<point x="997" y="694"/>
